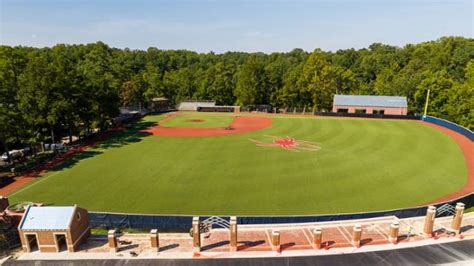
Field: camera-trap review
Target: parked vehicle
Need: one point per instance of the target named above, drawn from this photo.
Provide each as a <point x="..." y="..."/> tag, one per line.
<point x="15" y="154"/>
<point x="59" y="147"/>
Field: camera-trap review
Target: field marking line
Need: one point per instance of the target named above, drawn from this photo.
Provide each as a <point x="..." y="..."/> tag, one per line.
<point x="32" y="184"/>
<point x="343" y="234"/>
<point x="306" y="236"/>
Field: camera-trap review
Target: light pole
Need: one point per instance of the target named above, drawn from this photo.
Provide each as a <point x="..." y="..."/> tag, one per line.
<point x="426" y="102"/>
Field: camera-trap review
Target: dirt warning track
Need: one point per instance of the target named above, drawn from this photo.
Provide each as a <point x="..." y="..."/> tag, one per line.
<point x="467" y="147"/>
<point x="240" y="124"/>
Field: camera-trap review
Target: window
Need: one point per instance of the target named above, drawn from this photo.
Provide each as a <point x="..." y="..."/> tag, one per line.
<point x="342" y="110"/>
<point x="379" y="112"/>
<point x="360" y="111"/>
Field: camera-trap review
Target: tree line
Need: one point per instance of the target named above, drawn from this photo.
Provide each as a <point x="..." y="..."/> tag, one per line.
<point x="66" y="90"/>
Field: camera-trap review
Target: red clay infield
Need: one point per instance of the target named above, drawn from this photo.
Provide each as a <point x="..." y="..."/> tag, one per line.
<point x="467" y="147"/>
<point x="241" y="124"/>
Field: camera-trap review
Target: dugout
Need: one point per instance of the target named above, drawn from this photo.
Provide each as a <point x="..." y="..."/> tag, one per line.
<point x="222" y="109"/>
<point x="159" y="104"/>
<point x="53" y="229"/>
<point x="265" y="108"/>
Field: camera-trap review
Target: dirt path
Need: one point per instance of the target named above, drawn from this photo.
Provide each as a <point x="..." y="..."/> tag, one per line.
<point x="31" y="175"/>
<point x="241" y="124"/>
<point x="467" y="147"/>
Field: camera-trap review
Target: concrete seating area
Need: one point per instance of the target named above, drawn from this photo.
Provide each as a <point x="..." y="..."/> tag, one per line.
<point x="193" y="106"/>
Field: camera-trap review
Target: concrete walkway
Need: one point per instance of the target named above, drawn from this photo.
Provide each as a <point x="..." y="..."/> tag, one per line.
<point x="254" y="241"/>
<point x="452" y="253"/>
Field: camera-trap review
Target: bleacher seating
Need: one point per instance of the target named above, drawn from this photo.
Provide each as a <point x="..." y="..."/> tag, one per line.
<point x="193" y="105"/>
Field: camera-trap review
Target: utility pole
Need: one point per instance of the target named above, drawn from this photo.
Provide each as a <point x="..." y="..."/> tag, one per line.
<point x="426" y="103"/>
<point x="52" y="133"/>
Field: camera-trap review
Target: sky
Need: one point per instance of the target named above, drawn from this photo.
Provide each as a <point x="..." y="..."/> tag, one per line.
<point x="231" y="25"/>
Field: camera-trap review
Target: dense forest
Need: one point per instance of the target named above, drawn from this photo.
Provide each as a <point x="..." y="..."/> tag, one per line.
<point x="47" y="93"/>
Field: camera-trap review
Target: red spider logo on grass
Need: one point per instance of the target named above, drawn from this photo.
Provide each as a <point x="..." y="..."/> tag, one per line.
<point x="288" y="143"/>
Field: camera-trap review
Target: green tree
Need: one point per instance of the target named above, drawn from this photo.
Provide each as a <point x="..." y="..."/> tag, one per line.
<point x="440" y="86"/>
<point x="154" y="83"/>
<point x="292" y="95"/>
<point x="12" y="63"/>
<point x="251" y="87"/>
<point x="460" y="107"/>
<point x="218" y="84"/>
<point x="100" y="84"/>
<point x="37" y="96"/>
<point x="318" y="80"/>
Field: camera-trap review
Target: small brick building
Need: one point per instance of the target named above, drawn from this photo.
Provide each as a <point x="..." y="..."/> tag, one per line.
<point x="388" y="105"/>
<point x="53" y="229"/>
<point x="159" y="104"/>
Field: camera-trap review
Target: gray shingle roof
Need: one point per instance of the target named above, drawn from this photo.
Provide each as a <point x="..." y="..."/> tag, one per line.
<point x="374" y="101"/>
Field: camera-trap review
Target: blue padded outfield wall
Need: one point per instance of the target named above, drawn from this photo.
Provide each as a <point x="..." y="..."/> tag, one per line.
<point x="183" y="222"/>
<point x="450" y="125"/>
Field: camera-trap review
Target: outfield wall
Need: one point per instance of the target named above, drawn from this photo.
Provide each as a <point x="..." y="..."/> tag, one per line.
<point x="450" y="125"/>
<point x="183" y="222"/>
<point x="426" y="118"/>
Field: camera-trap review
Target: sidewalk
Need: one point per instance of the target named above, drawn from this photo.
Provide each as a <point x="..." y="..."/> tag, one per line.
<point x="254" y="241"/>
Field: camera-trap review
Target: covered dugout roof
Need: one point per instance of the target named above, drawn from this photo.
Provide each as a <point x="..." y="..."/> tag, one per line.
<point x="47" y="218"/>
<point x="371" y="101"/>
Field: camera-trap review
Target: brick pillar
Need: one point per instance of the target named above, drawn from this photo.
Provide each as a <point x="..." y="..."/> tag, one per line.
<point x="196" y="235"/>
<point x="233" y="234"/>
<point x="155" y="239"/>
<point x="393" y="236"/>
<point x="276" y="241"/>
<point x="317" y="237"/>
<point x="356" y="235"/>
<point x="112" y="237"/>
<point x="429" y="221"/>
<point x="4" y="203"/>
<point x="457" y="219"/>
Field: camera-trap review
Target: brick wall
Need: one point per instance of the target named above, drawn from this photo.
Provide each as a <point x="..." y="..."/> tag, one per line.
<point x="46" y="239"/>
<point x="369" y="110"/>
<point x="80" y="229"/>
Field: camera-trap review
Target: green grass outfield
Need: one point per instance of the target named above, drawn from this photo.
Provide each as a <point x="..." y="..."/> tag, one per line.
<point x="363" y="165"/>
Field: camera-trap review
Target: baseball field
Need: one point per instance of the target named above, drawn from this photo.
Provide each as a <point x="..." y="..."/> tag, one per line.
<point x="290" y="165"/>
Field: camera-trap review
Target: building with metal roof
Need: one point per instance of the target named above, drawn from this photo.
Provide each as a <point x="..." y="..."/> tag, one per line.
<point x="53" y="229"/>
<point x="388" y="105"/>
<point x="47" y="218"/>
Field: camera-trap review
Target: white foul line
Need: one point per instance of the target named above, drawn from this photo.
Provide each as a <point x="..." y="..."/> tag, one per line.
<point x="35" y="183"/>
